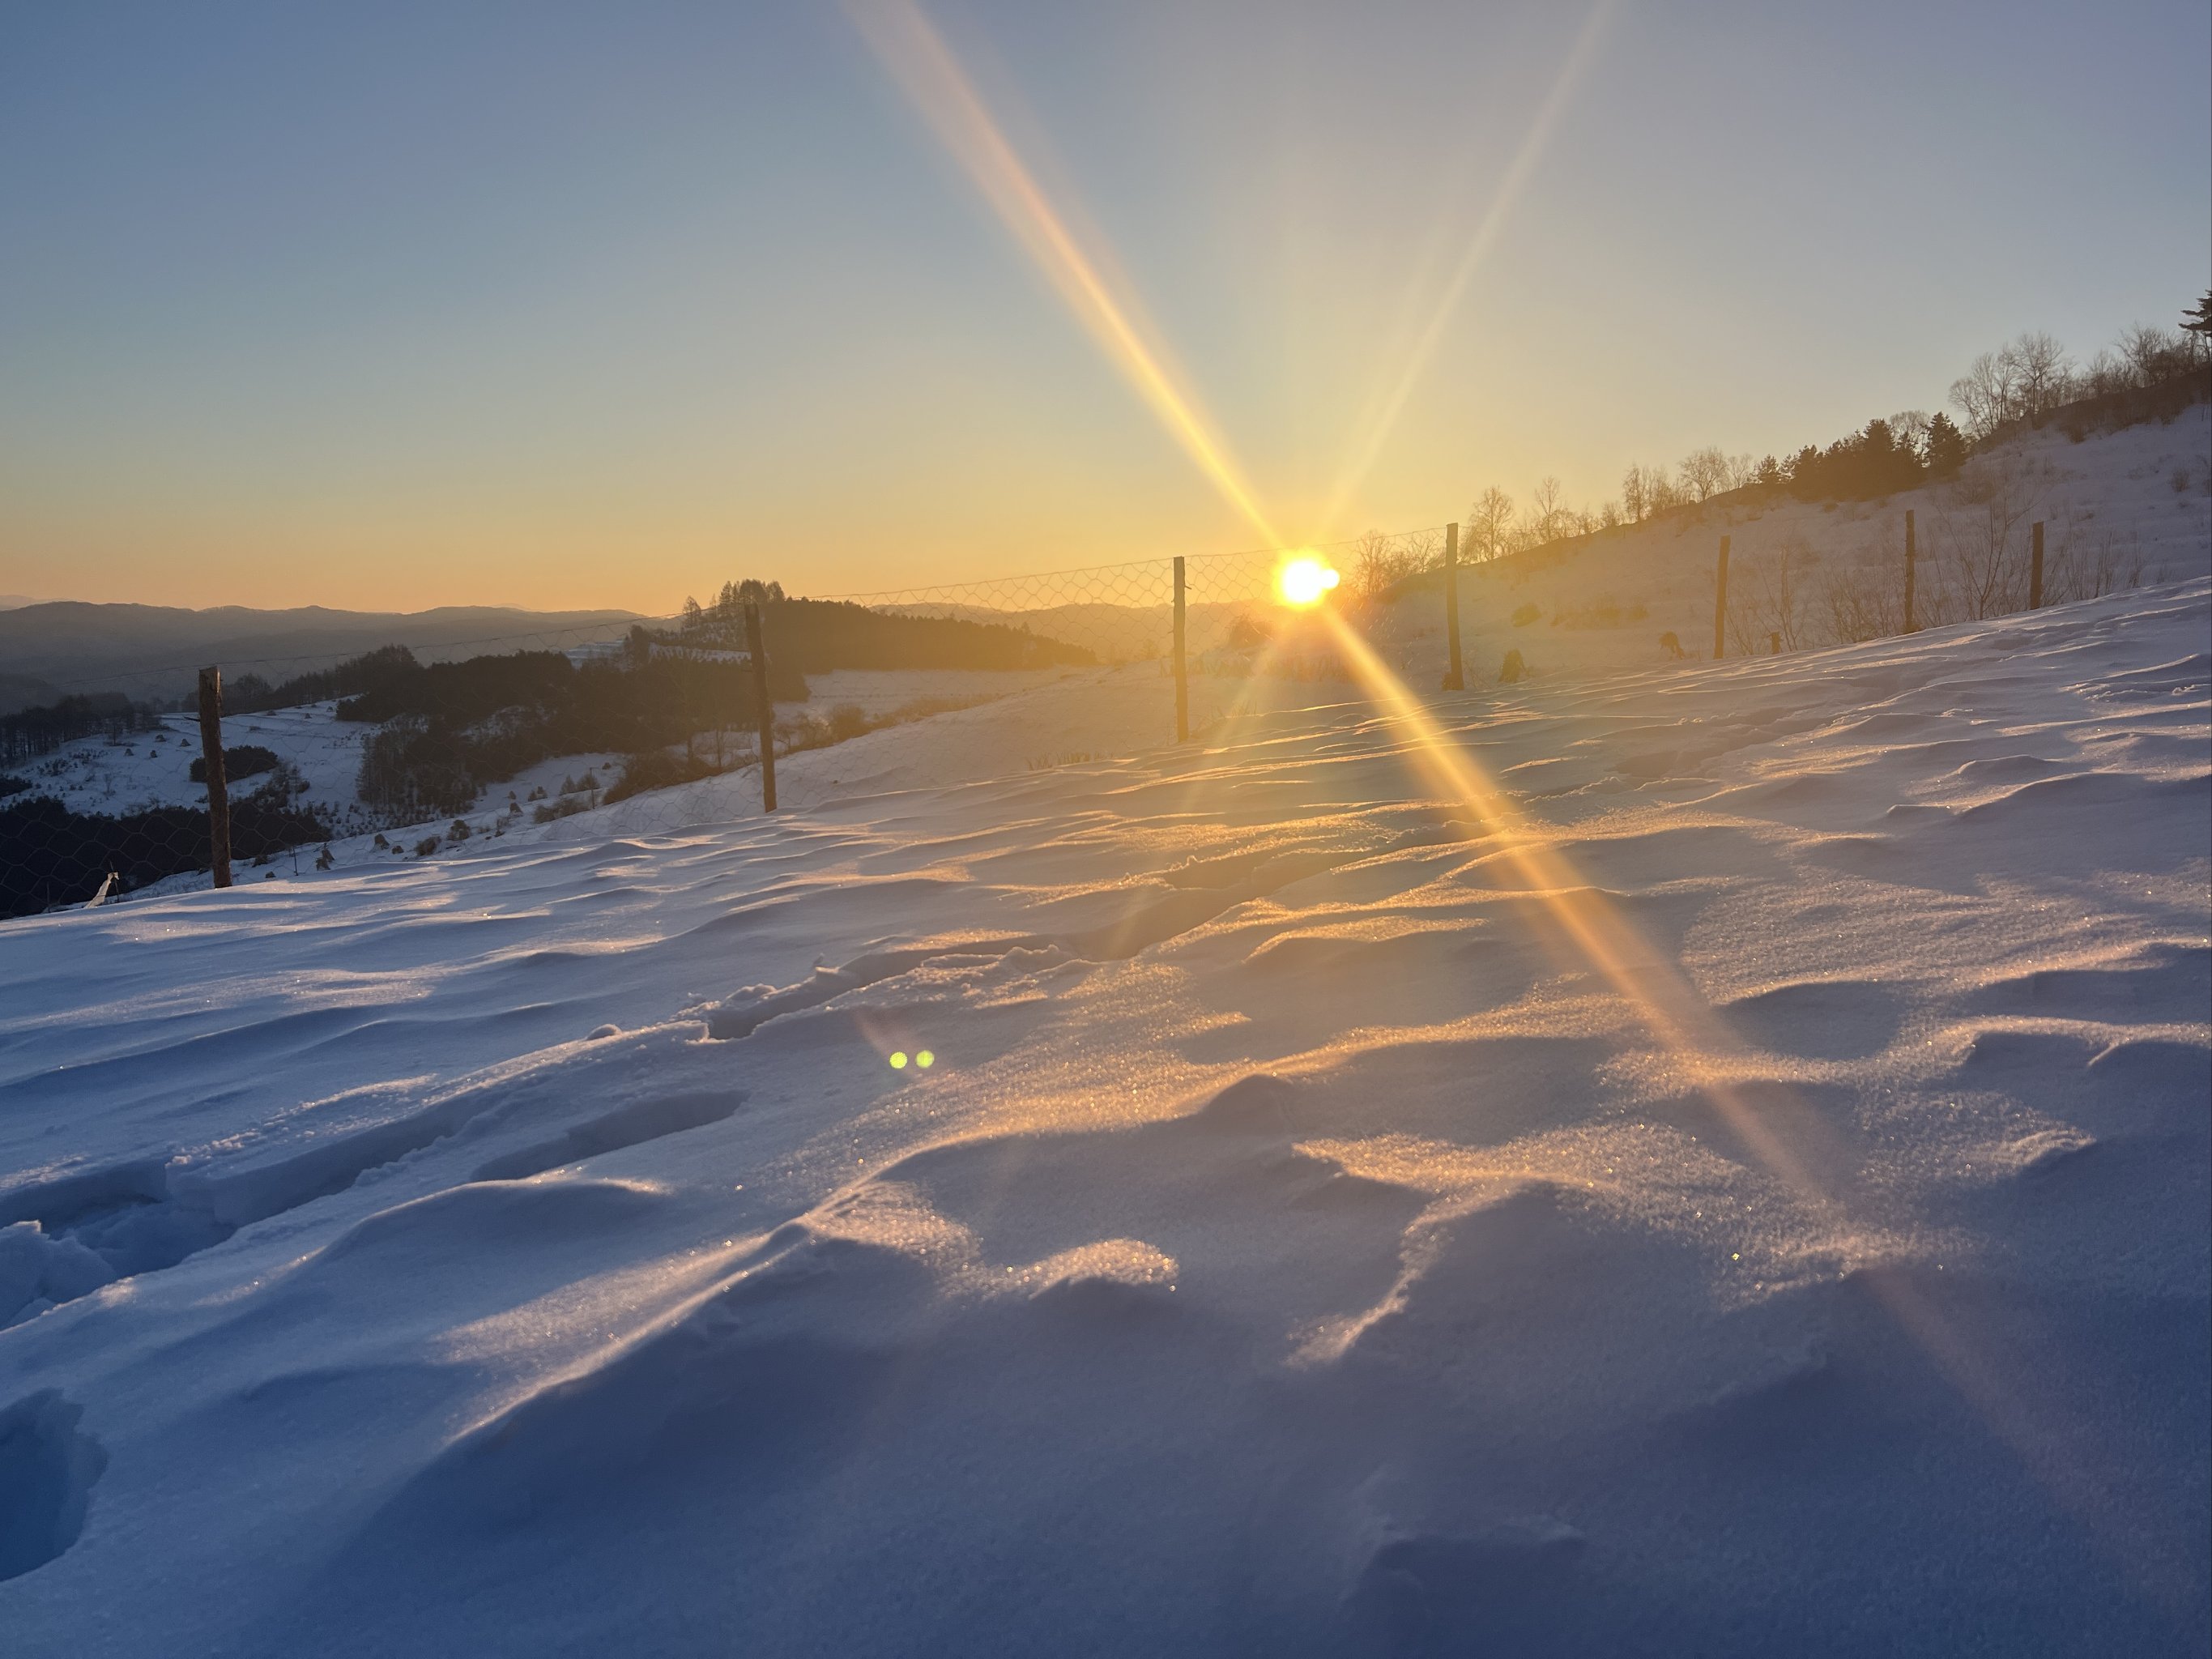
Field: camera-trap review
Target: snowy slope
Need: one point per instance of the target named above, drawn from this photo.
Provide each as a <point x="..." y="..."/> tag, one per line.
<point x="2137" y="503"/>
<point x="154" y="768"/>
<point x="1596" y="607"/>
<point x="1297" y="1244"/>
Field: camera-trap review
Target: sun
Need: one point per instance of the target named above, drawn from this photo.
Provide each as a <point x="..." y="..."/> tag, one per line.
<point x="1304" y="581"/>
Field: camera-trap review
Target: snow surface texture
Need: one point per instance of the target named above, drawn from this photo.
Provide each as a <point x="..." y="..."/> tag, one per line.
<point x="1294" y="1246"/>
<point x="2125" y="508"/>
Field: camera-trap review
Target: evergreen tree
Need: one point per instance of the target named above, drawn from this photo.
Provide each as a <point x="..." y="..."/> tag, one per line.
<point x="2199" y="320"/>
<point x="1947" y="446"/>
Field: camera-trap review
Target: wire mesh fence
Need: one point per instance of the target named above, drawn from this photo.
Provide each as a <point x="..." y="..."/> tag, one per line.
<point x="626" y="726"/>
<point x="614" y="726"/>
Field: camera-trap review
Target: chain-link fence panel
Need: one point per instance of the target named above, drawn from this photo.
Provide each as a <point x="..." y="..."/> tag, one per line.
<point x="649" y="727"/>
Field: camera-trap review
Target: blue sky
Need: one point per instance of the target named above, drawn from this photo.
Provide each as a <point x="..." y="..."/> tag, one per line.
<point x="409" y="304"/>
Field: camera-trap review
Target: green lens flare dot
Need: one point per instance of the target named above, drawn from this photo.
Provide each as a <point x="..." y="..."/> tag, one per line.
<point x="925" y="1059"/>
<point x="898" y="1060"/>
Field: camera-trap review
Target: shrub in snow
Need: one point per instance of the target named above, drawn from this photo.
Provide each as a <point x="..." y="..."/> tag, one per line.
<point x="656" y="769"/>
<point x="245" y="761"/>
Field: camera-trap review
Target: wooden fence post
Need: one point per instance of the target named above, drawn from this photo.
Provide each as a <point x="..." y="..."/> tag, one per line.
<point x="1910" y="550"/>
<point x="765" y="709"/>
<point x="1720" y="603"/>
<point x="218" y="786"/>
<point x="2035" y="568"/>
<point x="1182" y="674"/>
<point x="1455" y="672"/>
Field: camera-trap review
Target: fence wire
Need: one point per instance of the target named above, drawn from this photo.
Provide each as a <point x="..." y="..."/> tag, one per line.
<point x="342" y="758"/>
<point x="347" y="758"/>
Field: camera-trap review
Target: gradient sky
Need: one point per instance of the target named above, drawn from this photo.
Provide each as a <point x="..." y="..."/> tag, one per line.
<point x="399" y="304"/>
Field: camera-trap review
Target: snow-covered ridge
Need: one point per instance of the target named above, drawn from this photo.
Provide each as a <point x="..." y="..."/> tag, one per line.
<point x="1293" y="1246"/>
<point x="2123" y="508"/>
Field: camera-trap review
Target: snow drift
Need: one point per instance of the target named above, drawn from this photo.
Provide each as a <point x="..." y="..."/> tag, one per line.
<point x="1294" y="1245"/>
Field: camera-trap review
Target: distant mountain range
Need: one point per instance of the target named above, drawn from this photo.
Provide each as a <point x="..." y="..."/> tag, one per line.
<point x="51" y="650"/>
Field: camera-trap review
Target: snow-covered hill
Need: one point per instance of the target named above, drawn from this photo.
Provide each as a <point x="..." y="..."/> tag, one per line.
<point x="2122" y="509"/>
<point x="2119" y="508"/>
<point x="139" y="769"/>
<point x="1234" y="1200"/>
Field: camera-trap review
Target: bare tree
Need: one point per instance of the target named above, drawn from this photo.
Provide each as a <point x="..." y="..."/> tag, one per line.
<point x="1980" y="545"/>
<point x="1987" y="394"/>
<point x="1488" y="524"/>
<point x="1632" y="501"/>
<point x="2106" y="375"/>
<point x="1766" y="599"/>
<point x="2084" y="561"/>
<point x="1862" y="600"/>
<point x="1380" y="561"/>
<point x="2043" y="375"/>
<point x="2148" y="350"/>
<point x="1548" y="502"/>
<point x="1704" y="473"/>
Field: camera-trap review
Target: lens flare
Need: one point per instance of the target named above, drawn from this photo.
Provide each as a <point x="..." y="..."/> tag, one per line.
<point x="1367" y="446"/>
<point x="919" y="60"/>
<point x="898" y="1060"/>
<point x="1776" y="1127"/>
<point x="1304" y="581"/>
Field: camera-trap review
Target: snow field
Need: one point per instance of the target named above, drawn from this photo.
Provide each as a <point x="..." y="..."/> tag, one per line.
<point x="2113" y="496"/>
<point x="1296" y="1247"/>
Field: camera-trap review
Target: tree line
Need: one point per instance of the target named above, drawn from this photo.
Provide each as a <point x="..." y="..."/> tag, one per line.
<point x="2149" y="374"/>
<point x="51" y="855"/>
<point x="447" y="730"/>
<point x="30" y="733"/>
<point x="818" y="636"/>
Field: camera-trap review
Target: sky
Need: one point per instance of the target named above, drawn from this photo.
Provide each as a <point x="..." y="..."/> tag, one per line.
<point x="396" y="305"/>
